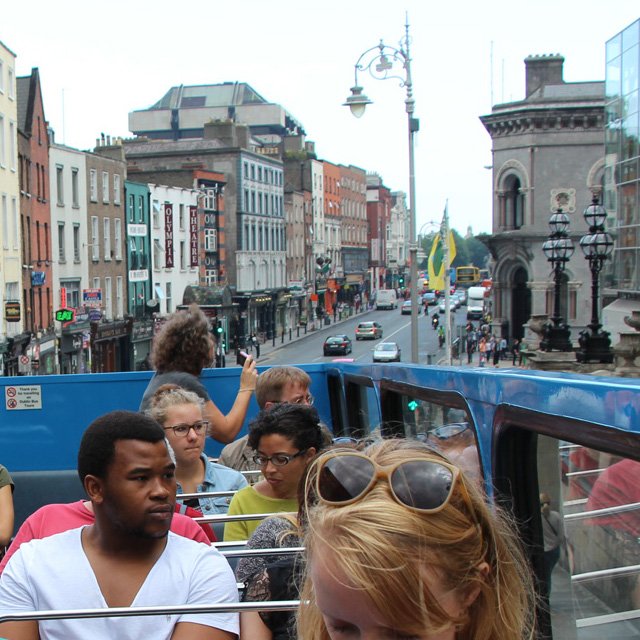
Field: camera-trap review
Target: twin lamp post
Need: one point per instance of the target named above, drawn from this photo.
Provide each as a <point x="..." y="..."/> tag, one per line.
<point x="597" y="245"/>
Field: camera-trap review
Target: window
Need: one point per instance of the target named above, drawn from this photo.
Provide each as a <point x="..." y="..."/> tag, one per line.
<point x="210" y="240"/>
<point x="93" y="185"/>
<point x="108" y="303"/>
<point x="106" y="225"/>
<point x="181" y="217"/>
<point x="73" y="292"/>
<point x="76" y="243"/>
<point x="117" y="187"/>
<point x="105" y="187"/>
<point x="155" y="214"/>
<point x="75" y="196"/>
<point x="183" y="255"/>
<point x="168" y="297"/>
<point x="95" y="283"/>
<point x="11" y="83"/>
<point x="119" y="297"/>
<point x="16" y="230"/>
<point x="95" y="248"/>
<point x="2" y="144"/>
<point x="211" y="277"/>
<point x="12" y="145"/>
<point x="1" y="76"/>
<point x="61" y="251"/>
<point x="140" y="208"/>
<point x="5" y="222"/>
<point x="117" y="238"/>
<point x="60" y="185"/>
<point x="210" y="200"/>
<point x="158" y="251"/>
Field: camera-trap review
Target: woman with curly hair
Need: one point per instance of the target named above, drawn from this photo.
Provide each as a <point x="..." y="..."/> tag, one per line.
<point x="181" y="350"/>
<point x="401" y="545"/>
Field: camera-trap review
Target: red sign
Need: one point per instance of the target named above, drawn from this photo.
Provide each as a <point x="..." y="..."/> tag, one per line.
<point x="63" y="297"/>
<point x="193" y="235"/>
<point x="168" y="235"/>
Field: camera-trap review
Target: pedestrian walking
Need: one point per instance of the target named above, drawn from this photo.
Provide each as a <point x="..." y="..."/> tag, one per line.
<point x="515" y="348"/>
<point x="256" y="343"/>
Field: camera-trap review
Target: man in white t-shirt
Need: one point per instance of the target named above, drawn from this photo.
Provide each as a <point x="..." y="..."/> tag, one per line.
<point x="128" y="558"/>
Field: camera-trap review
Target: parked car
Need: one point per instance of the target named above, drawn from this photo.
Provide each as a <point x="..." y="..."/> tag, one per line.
<point x="387" y="352"/>
<point x="337" y="344"/>
<point x="406" y="308"/>
<point x="372" y="330"/>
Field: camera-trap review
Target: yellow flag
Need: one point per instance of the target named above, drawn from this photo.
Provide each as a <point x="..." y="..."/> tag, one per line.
<point x="436" y="260"/>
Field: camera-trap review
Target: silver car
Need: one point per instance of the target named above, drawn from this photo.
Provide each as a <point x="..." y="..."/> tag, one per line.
<point x="387" y="352"/>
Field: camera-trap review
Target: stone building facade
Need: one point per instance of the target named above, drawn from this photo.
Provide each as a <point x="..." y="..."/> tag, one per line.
<point x="548" y="152"/>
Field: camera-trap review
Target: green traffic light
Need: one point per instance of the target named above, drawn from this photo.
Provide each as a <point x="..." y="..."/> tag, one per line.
<point x="413" y="405"/>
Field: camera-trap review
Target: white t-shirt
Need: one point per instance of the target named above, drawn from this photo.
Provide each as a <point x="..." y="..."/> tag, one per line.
<point x="54" y="573"/>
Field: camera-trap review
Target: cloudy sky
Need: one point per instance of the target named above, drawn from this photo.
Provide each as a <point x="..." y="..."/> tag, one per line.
<point x="99" y="62"/>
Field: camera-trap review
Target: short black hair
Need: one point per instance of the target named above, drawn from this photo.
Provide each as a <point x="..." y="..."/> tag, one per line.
<point x="97" y="447"/>
<point x="299" y="423"/>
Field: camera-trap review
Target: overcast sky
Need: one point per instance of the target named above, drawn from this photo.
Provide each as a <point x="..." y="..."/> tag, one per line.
<point x="102" y="61"/>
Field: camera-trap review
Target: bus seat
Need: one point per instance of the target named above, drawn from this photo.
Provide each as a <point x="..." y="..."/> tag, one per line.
<point x="34" y="489"/>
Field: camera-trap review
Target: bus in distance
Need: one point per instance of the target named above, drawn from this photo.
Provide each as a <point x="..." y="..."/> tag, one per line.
<point x="467" y="276"/>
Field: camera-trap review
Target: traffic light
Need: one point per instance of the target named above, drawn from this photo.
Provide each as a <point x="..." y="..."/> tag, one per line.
<point x="219" y="329"/>
<point x="401" y="281"/>
<point x="412" y="405"/>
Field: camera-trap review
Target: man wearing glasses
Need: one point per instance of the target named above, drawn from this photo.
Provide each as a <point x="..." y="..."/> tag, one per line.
<point x="275" y="386"/>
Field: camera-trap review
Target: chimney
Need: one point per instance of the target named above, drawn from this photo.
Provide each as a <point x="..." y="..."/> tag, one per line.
<point x="543" y="70"/>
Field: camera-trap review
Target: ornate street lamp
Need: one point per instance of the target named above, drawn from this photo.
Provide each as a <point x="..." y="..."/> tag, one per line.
<point x="558" y="248"/>
<point x="380" y="61"/>
<point x="597" y="245"/>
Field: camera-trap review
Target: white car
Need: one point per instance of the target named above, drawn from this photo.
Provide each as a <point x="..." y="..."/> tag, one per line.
<point x="387" y="352"/>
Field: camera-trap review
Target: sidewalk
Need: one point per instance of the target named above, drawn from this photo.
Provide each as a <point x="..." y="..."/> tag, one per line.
<point x="269" y="346"/>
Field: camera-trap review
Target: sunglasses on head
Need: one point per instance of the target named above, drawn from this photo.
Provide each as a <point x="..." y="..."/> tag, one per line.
<point x="344" y="477"/>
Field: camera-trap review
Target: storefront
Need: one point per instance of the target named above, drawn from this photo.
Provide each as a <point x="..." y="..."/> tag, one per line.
<point x="110" y="346"/>
<point x="141" y="336"/>
<point x="75" y="355"/>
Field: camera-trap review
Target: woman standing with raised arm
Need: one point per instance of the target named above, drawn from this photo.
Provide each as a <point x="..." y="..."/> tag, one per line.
<point x="181" y="350"/>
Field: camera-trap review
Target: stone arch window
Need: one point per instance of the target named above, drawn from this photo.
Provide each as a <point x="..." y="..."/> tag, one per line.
<point x="512" y="203"/>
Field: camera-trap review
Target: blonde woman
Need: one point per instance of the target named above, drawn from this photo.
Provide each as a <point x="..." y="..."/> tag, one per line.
<point x="400" y="545"/>
<point x="180" y="414"/>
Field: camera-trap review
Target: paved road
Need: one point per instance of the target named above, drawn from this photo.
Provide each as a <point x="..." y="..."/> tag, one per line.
<point x="396" y="327"/>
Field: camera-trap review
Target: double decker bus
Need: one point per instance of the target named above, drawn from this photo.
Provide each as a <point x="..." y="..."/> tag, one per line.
<point x="467" y="276"/>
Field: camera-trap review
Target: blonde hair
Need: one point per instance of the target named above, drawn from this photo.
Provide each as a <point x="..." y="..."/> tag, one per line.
<point x="271" y="383"/>
<point x="170" y="395"/>
<point x="384" y="549"/>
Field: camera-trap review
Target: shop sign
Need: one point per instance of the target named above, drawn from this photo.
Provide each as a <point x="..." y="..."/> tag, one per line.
<point x="193" y="235"/>
<point x="168" y="235"/>
<point x="92" y="297"/>
<point x="139" y="275"/>
<point x="12" y="311"/>
<point x="138" y="230"/>
<point x="95" y="315"/>
<point x="141" y="331"/>
<point x="38" y="278"/>
<point x="65" y="315"/>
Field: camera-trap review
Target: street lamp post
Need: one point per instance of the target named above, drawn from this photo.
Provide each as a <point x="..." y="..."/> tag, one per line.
<point x="558" y="249"/>
<point x="597" y="245"/>
<point x="380" y="61"/>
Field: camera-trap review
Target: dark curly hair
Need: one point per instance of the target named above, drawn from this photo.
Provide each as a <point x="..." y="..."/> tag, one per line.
<point x="183" y="343"/>
<point x="296" y="422"/>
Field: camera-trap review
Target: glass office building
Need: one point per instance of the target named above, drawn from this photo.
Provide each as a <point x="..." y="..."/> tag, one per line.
<point x="622" y="176"/>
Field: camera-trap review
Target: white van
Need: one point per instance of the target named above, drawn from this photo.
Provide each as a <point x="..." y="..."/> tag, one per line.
<point x="475" y="303"/>
<point x="386" y="299"/>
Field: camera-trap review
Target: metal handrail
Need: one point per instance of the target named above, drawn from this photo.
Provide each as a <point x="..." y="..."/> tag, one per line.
<point x="596" y="513"/>
<point x="243" y="553"/>
<point x="127" y="612"/>
<point x="205" y="494"/>
<point x="605" y="573"/>
<point x="586" y="472"/>
<point x="223" y="517"/>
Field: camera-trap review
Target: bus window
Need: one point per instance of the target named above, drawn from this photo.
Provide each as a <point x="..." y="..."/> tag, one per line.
<point x="590" y="517"/>
<point x="363" y="413"/>
<point x="467" y="276"/>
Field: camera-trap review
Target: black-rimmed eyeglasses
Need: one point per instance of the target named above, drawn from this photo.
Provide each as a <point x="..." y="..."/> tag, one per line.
<point x="277" y="459"/>
<point x="181" y="430"/>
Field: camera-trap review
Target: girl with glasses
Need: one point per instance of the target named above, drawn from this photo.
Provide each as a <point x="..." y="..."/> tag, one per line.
<point x="179" y="413"/>
<point x="285" y="438"/>
<point x="401" y="545"/>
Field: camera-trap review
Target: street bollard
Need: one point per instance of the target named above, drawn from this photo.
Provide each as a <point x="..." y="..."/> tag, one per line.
<point x="282" y="341"/>
<point x="273" y="342"/>
<point x="298" y="332"/>
<point x="429" y="358"/>
<point x="305" y="329"/>
<point x="289" y="334"/>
